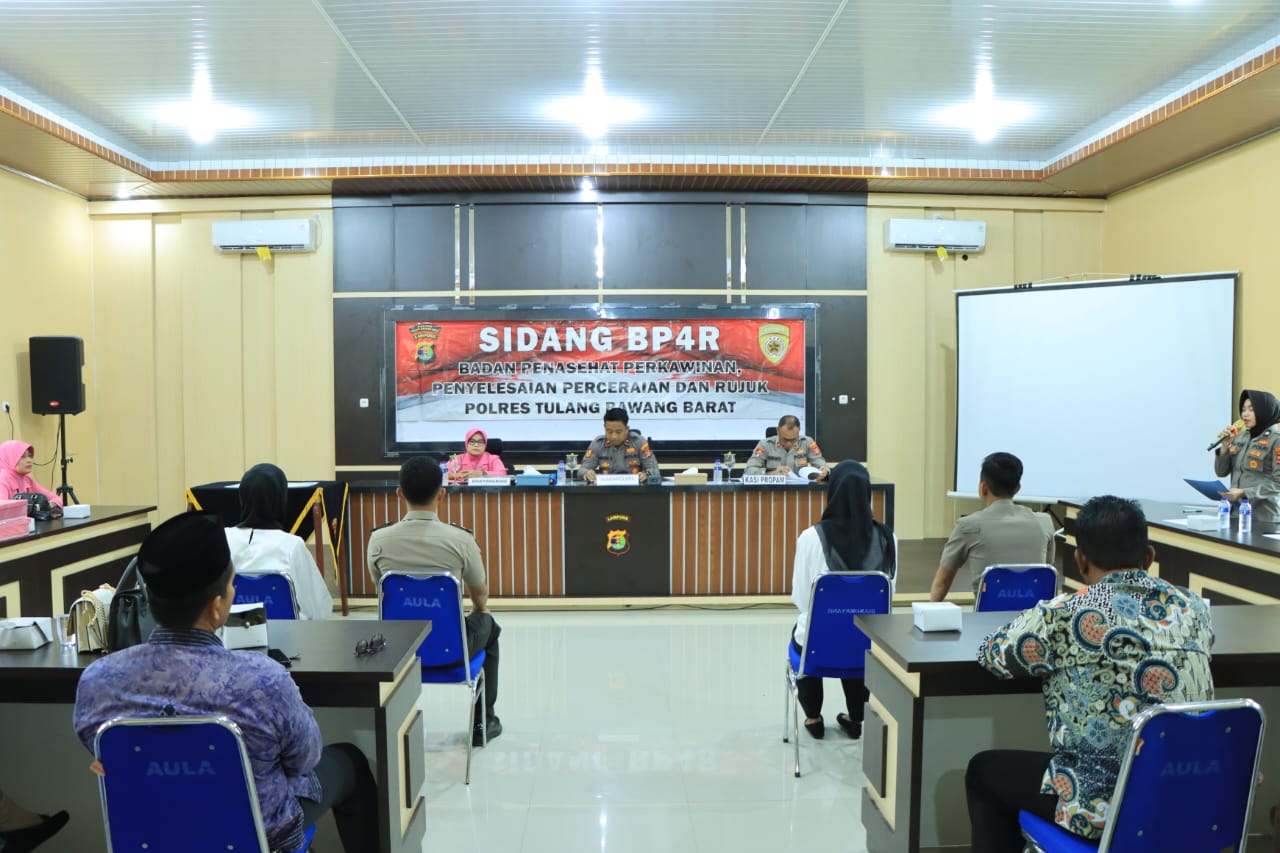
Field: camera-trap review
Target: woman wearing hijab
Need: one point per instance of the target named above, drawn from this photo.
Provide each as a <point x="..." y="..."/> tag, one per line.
<point x="261" y="541"/>
<point x="1252" y="458"/>
<point x="846" y="539"/>
<point x="16" y="459"/>
<point x="477" y="461"/>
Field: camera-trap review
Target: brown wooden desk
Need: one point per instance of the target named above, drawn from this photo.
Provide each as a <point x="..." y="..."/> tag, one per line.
<point x="1227" y="568"/>
<point x="932" y="707"/>
<point x="729" y="539"/>
<point x="43" y="573"/>
<point x="370" y="701"/>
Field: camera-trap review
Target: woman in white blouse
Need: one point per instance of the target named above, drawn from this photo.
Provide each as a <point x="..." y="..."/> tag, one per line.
<point x="261" y="541"/>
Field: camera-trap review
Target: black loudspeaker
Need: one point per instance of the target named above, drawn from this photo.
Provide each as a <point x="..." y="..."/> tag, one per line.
<point x="56" y="388"/>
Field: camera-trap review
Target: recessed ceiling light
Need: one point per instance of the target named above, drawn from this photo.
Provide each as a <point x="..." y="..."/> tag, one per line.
<point x="122" y="192"/>
<point x="593" y="110"/>
<point x="984" y="115"/>
<point x="201" y="116"/>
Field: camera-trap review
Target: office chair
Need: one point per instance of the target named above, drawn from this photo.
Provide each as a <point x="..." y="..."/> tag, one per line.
<point x="1186" y="783"/>
<point x="436" y="596"/>
<point x="273" y="590"/>
<point x="1015" y="586"/>
<point x="770" y="432"/>
<point x="834" y="647"/>
<point x="179" y="783"/>
<point x="494" y="446"/>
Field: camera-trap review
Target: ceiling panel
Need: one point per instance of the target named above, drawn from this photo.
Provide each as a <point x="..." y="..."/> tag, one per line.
<point x="377" y="84"/>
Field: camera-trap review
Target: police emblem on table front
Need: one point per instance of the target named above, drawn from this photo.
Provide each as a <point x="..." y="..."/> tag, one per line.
<point x="617" y="538"/>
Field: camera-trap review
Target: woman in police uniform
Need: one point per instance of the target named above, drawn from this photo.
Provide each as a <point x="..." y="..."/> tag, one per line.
<point x="1253" y="457"/>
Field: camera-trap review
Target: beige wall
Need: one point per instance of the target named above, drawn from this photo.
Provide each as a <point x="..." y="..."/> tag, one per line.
<point x="209" y="362"/>
<point x="45" y="274"/>
<point x="198" y="364"/>
<point x="911" y="335"/>
<point x="1215" y="215"/>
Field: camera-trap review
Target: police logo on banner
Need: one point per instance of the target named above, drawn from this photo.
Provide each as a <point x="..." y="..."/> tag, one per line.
<point x="617" y="540"/>
<point x="424" y="336"/>
<point x="775" y="340"/>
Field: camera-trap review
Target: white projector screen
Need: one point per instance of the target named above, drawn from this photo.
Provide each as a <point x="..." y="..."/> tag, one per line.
<point x="1103" y="387"/>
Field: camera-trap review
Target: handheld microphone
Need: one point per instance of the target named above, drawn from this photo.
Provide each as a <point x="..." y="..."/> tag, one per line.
<point x="1227" y="434"/>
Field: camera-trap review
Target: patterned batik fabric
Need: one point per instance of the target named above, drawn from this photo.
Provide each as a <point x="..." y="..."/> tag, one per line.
<point x="1106" y="653"/>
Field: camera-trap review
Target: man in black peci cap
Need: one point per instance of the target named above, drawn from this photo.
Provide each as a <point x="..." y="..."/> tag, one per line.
<point x="184" y="670"/>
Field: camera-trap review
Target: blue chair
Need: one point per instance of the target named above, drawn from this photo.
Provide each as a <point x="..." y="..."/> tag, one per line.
<point x="273" y="590"/>
<point x="1186" y="783"/>
<point x="834" y="646"/>
<point x="1015" y="586"/>
<point x="436" y="596"/>
<point x="179" y="783"/>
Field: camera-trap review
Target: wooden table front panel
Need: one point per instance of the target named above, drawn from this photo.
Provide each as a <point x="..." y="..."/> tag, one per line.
<point x="731" y="542"/>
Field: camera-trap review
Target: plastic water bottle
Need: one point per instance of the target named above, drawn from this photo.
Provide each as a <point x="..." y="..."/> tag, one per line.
<point x="1246" y="517"/>
<point x="717" y="473"/>
<point x="560" y="480"/>
<point x="1224" y="515"/>
<point x="444" y="470"/>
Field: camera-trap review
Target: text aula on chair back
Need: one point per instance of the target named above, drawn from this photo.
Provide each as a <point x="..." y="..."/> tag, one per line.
<point x="273" y="590"/>
<point x="178" y="783"/>
<point x="1186" y="782"/>
<point x="1010" y="586"/>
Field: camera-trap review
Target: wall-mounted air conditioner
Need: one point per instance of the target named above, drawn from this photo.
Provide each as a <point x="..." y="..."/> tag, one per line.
<point x="278" y="235"/>
<point x="925" y="235"/>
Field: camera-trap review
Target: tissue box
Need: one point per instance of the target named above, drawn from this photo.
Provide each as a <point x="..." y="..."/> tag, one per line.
<point x="9" y="510"/>
<point x="533" y="479"/>
<point x="246" y="627"/>
<point x="17" y="526"/>
<point x="698" y="479"/>
<point x="76" y="511"/>
<point x="936" y="615"/>
<point x="1202" y="521"/>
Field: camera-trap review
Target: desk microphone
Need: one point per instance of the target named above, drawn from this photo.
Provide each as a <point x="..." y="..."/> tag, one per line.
<point x="1227" y="434"/>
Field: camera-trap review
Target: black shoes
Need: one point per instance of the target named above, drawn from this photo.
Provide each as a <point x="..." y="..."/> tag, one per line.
<point x="817" y="729"/>
<point x="26" y="840"/>
<point x="477" y="734"/>
<point x="852" y="729"/>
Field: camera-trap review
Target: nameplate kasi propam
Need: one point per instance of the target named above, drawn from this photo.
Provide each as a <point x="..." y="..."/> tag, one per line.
<point x="764" y="479"/>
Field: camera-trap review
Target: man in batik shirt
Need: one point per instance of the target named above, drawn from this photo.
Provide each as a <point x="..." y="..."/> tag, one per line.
<point x="183" y="670"/>
<point x="1106" y="653"/>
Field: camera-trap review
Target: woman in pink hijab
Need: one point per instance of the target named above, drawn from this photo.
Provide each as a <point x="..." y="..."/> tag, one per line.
<point x="476" y="462"/>
<point x="16" y="458"/>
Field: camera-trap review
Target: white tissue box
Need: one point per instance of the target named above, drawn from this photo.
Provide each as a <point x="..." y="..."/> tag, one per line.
<point x="246" y="627"/>
<point x="936" y="615"/>
<point x="76" y="511"/>
<point x="1202" y="521"/>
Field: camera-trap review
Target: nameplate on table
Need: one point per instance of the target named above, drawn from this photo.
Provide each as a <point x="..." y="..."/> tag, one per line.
<point x="617" y="479"/>
<point x="489" y="481"/>
<point x="764" y="479"/>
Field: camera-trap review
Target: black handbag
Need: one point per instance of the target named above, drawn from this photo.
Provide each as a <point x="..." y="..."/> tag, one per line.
<point x="38" y="506"/>
<point x="130" y="621"/>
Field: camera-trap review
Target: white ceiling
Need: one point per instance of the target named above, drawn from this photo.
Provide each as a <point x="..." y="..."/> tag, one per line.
<point x="332" y="83"/>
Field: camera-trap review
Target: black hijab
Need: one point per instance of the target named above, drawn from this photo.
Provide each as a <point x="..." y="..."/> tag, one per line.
<point x="1266" y="410"/>
<point x="863" y="544"/>
<point x="264" y="498"/>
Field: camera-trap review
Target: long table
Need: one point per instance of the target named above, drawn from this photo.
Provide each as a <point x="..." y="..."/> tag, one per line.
<point x="1227" y="567"/>
<point x="370" y="701"/>
<point x="579" y="540"/>
<point x="932" y="707"/>
<point x="44" y="572"/>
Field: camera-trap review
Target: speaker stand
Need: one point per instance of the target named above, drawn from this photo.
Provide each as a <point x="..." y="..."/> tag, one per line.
<point x="65" y="492"/>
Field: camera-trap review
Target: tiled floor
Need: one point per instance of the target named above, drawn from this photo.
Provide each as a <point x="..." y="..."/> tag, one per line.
<point x="640" y="731"/>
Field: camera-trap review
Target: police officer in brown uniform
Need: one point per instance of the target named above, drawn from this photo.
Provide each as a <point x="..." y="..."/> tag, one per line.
<point x="619" y="451"/>
<point x="421" y="541"/>
<point x="787" y="452"/>
<point x="1252" y="458"/>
